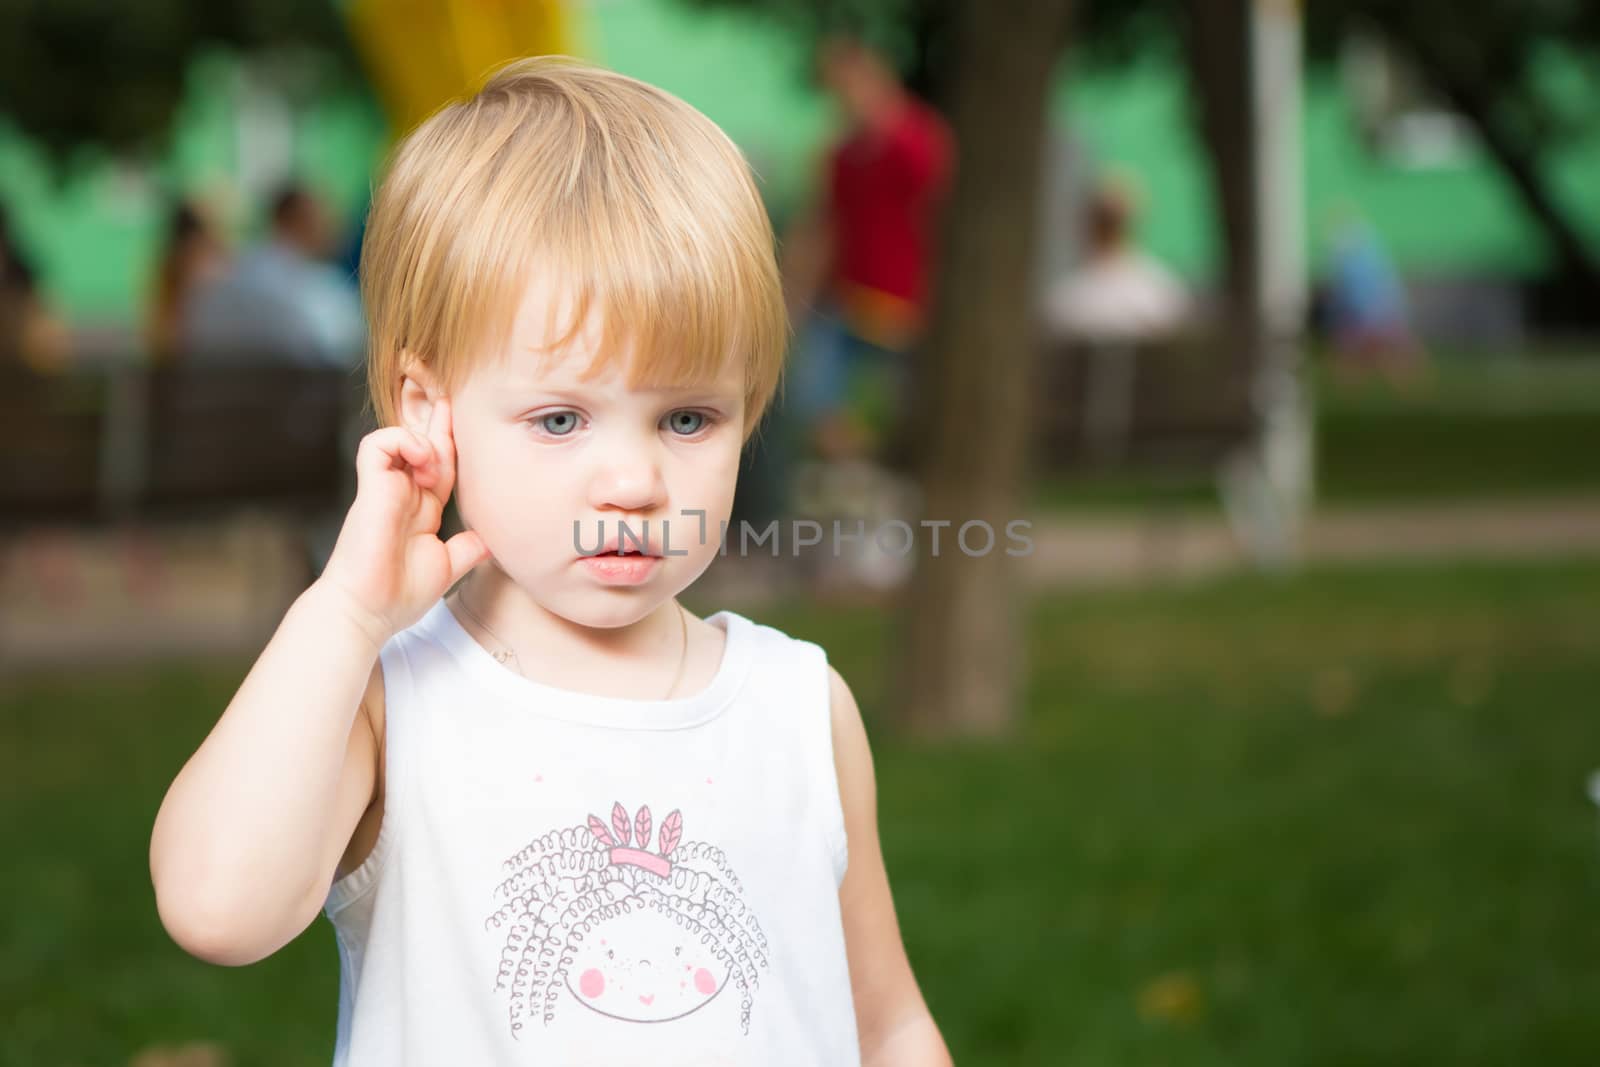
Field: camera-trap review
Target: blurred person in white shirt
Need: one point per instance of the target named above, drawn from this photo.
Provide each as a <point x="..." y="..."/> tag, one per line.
<point x="1118" y="293"/>
<point x="282" y="301"/>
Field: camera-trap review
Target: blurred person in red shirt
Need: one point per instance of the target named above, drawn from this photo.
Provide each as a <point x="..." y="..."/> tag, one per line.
<point x="859" y="263"/>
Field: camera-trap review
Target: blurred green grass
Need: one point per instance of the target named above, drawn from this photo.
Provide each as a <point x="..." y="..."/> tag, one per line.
<point x="1336" y="819"/>
<point x="1472" y="429"/>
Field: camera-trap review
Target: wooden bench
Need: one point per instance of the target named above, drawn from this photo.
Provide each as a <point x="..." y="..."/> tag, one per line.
<point x="1178" y="407"/>
<point x="99" y="446"/>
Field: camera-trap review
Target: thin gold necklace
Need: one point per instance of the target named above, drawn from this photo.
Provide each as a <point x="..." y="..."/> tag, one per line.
<point x="510" y="653"/>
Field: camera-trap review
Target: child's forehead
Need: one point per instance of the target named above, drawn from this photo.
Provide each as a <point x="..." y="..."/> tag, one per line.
<point x="578" y="369"/>
<point x="550" y="346"/>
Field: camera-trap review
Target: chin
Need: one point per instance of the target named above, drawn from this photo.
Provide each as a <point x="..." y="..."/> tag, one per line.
<point x="604" y="608"/>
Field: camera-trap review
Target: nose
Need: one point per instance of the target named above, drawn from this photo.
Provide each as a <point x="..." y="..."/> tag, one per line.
<point x="628" y="477"/>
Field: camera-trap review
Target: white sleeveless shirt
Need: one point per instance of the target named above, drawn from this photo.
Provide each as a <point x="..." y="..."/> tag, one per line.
<point x="563" y="878"/>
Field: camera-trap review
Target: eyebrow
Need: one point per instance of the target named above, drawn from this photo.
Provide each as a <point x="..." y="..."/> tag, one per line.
<point x="578" y="394"/>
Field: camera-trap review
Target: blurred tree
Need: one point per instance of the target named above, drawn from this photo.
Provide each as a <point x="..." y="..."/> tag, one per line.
<point x="988" y="68"/>
<point x="988" y="64"/>
<point x="960" y="663"/>
<point x="1488" y="61"/>
<point x="111" y="72"/>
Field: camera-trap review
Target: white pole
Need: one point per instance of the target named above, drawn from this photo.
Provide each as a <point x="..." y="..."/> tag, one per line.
<point x="1277" y="483"/>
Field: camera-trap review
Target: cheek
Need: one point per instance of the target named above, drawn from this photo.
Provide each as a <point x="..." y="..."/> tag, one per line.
<point x="709" y="487"/>
<point x="591" y="983"/>
<point x="697" y="978"/>
<point x="510" y="502"/>
<point x="728" y="473"/>
<point x="486" y="467"/>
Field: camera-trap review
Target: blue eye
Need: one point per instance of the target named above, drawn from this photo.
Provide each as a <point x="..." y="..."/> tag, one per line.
<point x="676" y="421"/>
<point x="545" y="420"/>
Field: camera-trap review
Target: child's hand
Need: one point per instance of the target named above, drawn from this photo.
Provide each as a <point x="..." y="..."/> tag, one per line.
<point x="389" y="564"/>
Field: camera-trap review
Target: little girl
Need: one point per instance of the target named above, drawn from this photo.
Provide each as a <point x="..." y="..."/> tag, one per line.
<point x="553" y="817"/>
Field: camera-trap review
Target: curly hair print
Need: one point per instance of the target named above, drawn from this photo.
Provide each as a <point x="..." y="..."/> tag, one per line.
<point x="637" y="933"/>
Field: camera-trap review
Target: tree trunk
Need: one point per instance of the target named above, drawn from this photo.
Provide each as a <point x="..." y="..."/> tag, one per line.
<point x="1216" y="40"/>
<point x="931" y="29"/>
<point x="960" y="660"/>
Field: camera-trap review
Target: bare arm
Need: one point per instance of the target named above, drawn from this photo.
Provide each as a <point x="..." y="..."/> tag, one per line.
<point x="247" y="839"/>
<point x="892" y="1020"/>
<point x="250" y="834"/>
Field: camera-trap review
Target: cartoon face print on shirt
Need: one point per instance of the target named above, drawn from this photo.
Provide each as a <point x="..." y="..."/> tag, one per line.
<point x="645" y="970"/>
<point x="638" y="930"/>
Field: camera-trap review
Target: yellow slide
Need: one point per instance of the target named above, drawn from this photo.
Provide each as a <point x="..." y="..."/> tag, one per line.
<point x="421" y="54"/>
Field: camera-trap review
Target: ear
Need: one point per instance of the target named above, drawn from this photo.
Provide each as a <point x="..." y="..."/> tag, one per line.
<point x="419" y="389"/>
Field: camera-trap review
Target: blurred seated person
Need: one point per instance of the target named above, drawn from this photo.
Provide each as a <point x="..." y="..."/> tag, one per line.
<point x="1118" y="294"/>
<point x="30" y="336"/>
<point x="282" y="301"/>
<point x="1117" y="298"/>
<point x="1365" y="303"/>
<point x="192" y="257"/>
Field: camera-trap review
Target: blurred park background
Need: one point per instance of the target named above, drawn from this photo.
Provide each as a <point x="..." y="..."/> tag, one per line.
<point x="1279" y="325"/>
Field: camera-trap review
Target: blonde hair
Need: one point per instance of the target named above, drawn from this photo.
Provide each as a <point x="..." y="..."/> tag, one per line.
<point x="623" y="192"/>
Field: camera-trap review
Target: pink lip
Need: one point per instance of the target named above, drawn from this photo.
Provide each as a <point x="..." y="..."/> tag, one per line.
<point x="620" y="570"/>
<point x="647" y="999"/>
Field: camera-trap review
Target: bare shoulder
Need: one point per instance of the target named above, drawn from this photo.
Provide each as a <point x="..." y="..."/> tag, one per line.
<point x="852" y="756"/>
<point x="844" y="710"/>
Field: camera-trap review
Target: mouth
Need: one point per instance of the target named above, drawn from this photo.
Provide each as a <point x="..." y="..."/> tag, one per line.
<point x="621" y="568"/>
<point x="626" y="547"/>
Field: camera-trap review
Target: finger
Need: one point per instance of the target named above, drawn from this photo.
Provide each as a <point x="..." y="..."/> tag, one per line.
<point x="395" y="453"/>
<point x="441" y="431"/>
<point x="420" y="459"/>
<point x="391" y="448"/>
<point x="441" y="435"/>
<point x="427" y="466"/>
<point x="466" y="550"/>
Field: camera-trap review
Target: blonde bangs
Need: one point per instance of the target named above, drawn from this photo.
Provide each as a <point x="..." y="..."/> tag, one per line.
<point x="642" y="209"/>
